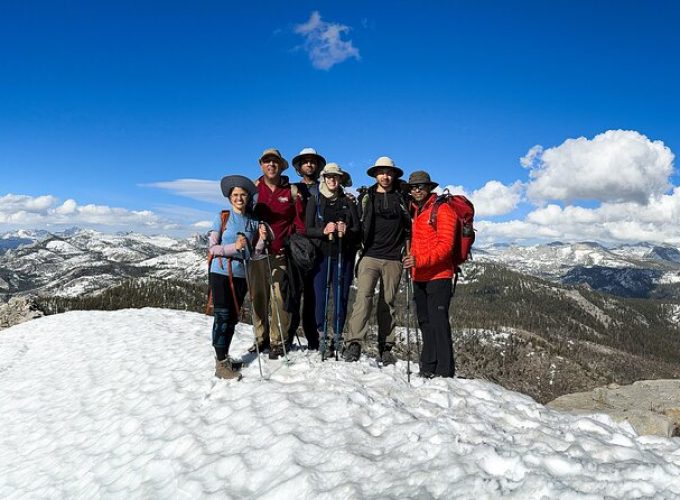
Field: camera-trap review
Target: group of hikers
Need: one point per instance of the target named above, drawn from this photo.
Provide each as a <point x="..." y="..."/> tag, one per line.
<point x="273" y="225"/>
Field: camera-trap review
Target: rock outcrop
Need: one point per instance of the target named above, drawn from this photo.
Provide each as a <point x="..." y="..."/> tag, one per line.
<point x="651" y="407"/>
<point x="18" y="310"/>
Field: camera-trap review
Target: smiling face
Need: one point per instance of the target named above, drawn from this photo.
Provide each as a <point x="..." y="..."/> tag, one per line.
<point x="420" y="192"/>
<point x="239" y="199"/>
<point x="332" y="182"/>
<point x="385" y="178"/>
<point x="271" y="168"/>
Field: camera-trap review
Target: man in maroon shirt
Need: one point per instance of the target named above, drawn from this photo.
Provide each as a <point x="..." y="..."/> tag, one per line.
<point x="285" y="216"/>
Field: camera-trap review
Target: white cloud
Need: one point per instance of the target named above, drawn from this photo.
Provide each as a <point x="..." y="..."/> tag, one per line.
<point x="494" y="198"/>
<point x="23" y="211"/>
<point x="324" y="44"/>
<point x="656" y="222"/>
<point x="196" y="189"/>
<point x="203" y="224"/>
<point x="615" y="166"/>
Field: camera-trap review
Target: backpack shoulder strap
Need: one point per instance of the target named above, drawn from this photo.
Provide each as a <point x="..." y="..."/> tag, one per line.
<point x="224" y="218"/>
<point x="441" y="199"/>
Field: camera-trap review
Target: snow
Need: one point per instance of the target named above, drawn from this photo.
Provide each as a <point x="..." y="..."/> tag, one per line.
<point x="124" y="404"/>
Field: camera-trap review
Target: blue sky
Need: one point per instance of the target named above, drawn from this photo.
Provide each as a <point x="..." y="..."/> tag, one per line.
<point x="559" y="119"/>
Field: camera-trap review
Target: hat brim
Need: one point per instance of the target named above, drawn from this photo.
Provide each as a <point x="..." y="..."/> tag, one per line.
<point x="229" y="182"/>
<point x="371" y="171"/>
<point x="298" y="160"/>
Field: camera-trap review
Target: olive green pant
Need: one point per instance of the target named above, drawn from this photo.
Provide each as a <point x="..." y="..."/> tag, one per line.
<point x="269" y="311"/>
<point x="370" y="272"/>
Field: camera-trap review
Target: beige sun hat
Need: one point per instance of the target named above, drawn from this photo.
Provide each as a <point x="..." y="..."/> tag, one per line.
<point x="335" y="169"/>
<point x="419" y="177"/>
<point x="274" y="152"/>
<point x="297" y="161"/>
<point x="384" y="162"/>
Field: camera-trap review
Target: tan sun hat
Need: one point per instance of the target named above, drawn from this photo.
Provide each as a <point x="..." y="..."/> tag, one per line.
<point x="297" y="161"/>
<point x="274" y="152"/>
<point x="335" y="169"/>
<point x="384" y="162"/>
<point x="419" y="177"/>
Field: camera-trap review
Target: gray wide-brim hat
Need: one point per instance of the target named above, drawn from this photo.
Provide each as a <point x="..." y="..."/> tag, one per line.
<point x="384" y="162"/>
<point x="419" y="177"/>
<point x="229" y="182"/>
<point x="274" y="152"/>
<point x="297" y="161"/>
<point x="335" y="169"/>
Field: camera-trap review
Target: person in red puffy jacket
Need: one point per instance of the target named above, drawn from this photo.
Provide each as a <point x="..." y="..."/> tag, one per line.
<point x="431" y="267"/>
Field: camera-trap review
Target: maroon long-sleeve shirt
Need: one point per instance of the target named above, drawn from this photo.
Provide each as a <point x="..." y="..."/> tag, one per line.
<point x="278" y="210"/>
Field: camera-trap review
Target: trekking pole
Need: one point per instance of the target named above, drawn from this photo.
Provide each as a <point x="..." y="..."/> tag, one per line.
<point x="338" y="291"/>
<point x="245" y="267"/>
<point x="324" y="338"/>
<point x="408" y="326"/>
<point x="270" y="235"/>
<point x="408" y="317"/>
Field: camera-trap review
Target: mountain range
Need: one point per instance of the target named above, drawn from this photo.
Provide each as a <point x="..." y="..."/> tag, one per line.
<point x="77" y="261"/>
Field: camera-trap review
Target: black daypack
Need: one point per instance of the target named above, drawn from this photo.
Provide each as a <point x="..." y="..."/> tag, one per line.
<point x="302" y="252"/>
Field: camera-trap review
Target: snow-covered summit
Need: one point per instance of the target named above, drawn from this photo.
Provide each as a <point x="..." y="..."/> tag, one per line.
<point x="124" y="404"/>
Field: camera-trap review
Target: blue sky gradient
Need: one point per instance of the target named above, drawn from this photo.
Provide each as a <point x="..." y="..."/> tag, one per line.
<point x="102" y="101"/>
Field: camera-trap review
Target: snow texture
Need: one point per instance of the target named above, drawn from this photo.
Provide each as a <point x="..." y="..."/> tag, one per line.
<point x="124" y="405"/>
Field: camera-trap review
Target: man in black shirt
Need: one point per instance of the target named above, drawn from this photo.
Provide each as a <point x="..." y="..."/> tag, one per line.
<point x="386" y="227"/>
<point x="308" y="163"/>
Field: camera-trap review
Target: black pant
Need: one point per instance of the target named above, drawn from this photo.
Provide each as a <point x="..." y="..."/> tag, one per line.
<point x="225" y="314"/>
<point x="308" y="318"/>
<point x="432" y="306"/>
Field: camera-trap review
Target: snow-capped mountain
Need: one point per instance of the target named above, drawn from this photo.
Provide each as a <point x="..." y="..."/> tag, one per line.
<point x="627" y="270"/>
<point x="81" y="261"/>
<point x="77" y="261"/>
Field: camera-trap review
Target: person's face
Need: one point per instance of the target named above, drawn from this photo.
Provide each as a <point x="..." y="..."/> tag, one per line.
<point x="271" y="167"/>
<point x="332" y="181"/>
<point x="238" y="198"/>
<point x="385" y="177"/>
<point x="419" y="192"/>
<point x="308" y="165"/>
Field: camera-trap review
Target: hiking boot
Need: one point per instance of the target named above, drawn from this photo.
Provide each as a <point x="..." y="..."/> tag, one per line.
<point x="426" y="374"/>
<point x="352" y="353"/>
<point x="224" y="370"/>
<point x="388" y="358"/>
<point x="275" y="352"/>
<point x="233" y="364"/>
<point x="262" y="346"/>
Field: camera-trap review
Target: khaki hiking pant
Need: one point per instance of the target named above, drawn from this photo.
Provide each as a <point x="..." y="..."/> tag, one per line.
<point x="267" y="309"/>
<point x="369" y="273"/>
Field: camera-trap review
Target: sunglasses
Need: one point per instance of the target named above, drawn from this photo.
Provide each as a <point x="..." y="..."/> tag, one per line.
<point x="419" y="187"/>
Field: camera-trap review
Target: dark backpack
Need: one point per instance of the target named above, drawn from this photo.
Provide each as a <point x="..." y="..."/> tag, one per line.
<point x="302" y="252"/>
<point x="465" y="231"/>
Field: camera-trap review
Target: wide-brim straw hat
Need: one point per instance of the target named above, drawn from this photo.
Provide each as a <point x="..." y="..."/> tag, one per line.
<point x="229" y="182"/>
<point x="274" y="152"/>
<point x="419" y="177"/>
<point x="384" y="162"/>
<point x="320" y="160"/>
<point x="335" y="169"/>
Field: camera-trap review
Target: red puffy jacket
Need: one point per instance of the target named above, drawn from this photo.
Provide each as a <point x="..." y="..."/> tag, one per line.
<point x="432" y="248"/>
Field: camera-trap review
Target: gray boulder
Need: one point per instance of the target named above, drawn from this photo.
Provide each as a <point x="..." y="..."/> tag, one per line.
<point x="18" y="310"/>
<point x="651" y="407"/>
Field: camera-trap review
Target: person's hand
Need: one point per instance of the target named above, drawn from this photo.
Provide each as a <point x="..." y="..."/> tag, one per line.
<point x="241" y="242"/>
<point x="342" y="227"/>
<point x="409" y="261"/>
<point x="262" y="229"/>
<point x="330" y="228"/>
